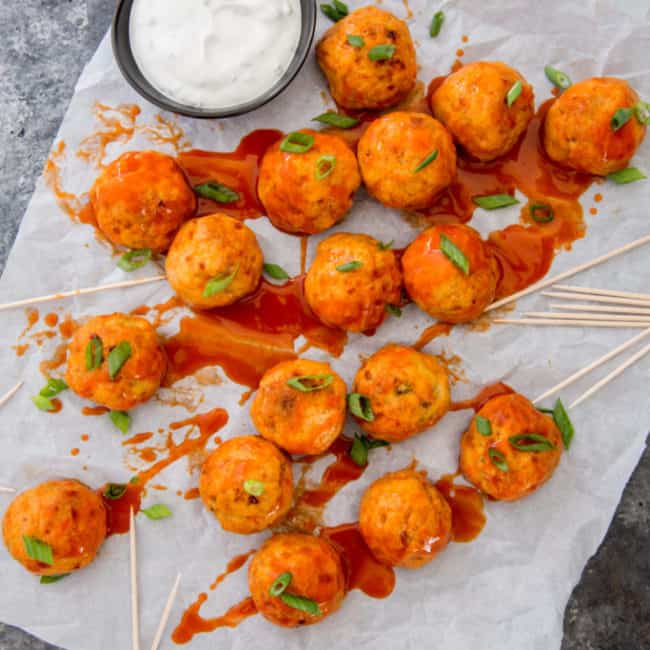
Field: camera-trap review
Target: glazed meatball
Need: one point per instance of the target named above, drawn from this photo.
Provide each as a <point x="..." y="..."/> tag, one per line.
<point x="438" y="285"/>
<point x="472" y="104"/>
<point x="578" y="131"/>
<point x="404" y="520"/>
<point x="351" y="280"/>
<point x="214" y="261"/>
<point x="141" y="199"/>
<point x="358" y="78"/>
<point x="316" y="574"/>
<point x="406" y="159"/>
<point x="309" y="192"/>
<point x="65" y="516"/>
<point x="94" y="351"/>
<point x="300" y="406"/>
<point x="408" y="392"/>
<point x="497" y="461"/>
<point x="247" y="484"/>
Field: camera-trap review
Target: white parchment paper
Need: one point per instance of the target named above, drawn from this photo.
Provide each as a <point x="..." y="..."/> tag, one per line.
<point x="507" y="589"/>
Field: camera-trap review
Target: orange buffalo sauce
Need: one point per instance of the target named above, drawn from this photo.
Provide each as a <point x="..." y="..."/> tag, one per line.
<point x="485" y="395"/>
<point x="467" y="516"/>
<point x="118" y="510"/>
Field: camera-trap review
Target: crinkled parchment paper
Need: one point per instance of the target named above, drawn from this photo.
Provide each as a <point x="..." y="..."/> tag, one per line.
<point x="509" y="588"/>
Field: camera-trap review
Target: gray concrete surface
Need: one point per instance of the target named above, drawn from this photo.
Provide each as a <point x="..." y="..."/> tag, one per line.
<point x="43" y="47"/>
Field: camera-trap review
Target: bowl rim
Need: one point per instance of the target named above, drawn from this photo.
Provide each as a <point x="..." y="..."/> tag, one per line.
<point x="158" y="98"/>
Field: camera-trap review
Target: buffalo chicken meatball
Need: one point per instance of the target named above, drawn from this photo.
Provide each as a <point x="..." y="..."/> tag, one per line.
<point x="247" y="484"/>
<point x="374" y="70"/>
<point x="300" y="406"/>
<point x="55" y="528"/>
<point x="313" y="570"/>
<point x="408" y="392"/>
<point x="452" y="291"/>
<point x="406" y="159"/>
<point x="404" y="519"/>
<point x="214" y="261"/>
<point x="578" y="130"/>
<point x="116" y="361"/>
<point x="141" y="199"/>
<point x="308" y="192"/>
<point x="510" y="449"/>
<point x="473" y="104"/>
<point x="351" y="280"/>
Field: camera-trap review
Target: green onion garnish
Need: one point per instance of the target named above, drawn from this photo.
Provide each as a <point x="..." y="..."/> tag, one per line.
<point x="325" y="165"/>
<point x="428" y="160"/>
<point x="38" y="550"/>
<point x="627" y="175"/>
<point x="300" y="602"/>
<point x="157" y="511"/>
<point x="349" y="266"/>
<point x="498" y="459"/>
<point x="276" y="272"/>
<point x="280" y="584"/>
<point x="381" y="52"/>
<point x="94" y="353"/>
<point x="361" y="446"/>
<point x="513" y="93"/>
<point x="121" y="419"/>
<point x="115" y="491"/>
<point x="384" y="246"/>
<point x="621" y="118"/>
<point x="393" y="310"/>
<point x="217" y="192"/>
<point x="360" y="406"/>
<point x="436" y="23"/>
<point x="642" y="112"/>
<point x="48" y="580"/>
<point x="43" y="403"/>
<point x="310" y="383"/>
<point x="494" y="201"/>
<point x="563" y="423"/>
<point x="219" y="283"/>
<point x="297" y="142"/>
<point x="254" y="488"/>
<point x="117" y="357"/>
<point x="531" y="442"/>
<point x="355" y="41"/>
<point x="336" y="119"/>
<point x="541" y="212"/>
<point x="53" y="387"/>
<point x="557" y="78"/>
<point x="454" y="254"/>
<point x="483" y="425"/>
<point x="335" y="11"/>
<point x="132" y="260"/>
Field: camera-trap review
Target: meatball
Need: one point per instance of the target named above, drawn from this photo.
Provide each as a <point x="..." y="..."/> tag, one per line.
<point x="247" y="484"/>
<point x="351" y="280"/>
<point x="406" y="159"/>
<point x="494" y="457"/>
<point x="300" y="406"/>
<point x="141" y="199"/>
<point x="65" y="516"/>
<point x="408" y="392"/>
<point x="316" y="574"/>
<point x="404" y="520"/>
<point x="578" y="131"/>
<point x="359" y="74"/>
<point x="214" y="261"/>
<point x="116" y="361"/>
<point x="472" y="104"/>
<point x="438" y="285"/>
<point x="309" y="192"/>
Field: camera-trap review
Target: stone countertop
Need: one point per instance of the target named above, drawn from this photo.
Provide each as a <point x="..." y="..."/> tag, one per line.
<point x="44" y="46"/>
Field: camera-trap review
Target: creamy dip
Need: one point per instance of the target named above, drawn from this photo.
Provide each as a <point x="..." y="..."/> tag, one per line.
<point x="214" y="53"/>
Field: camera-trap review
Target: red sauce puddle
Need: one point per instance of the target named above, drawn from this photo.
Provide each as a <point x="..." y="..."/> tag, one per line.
<point x="468" y="518"/>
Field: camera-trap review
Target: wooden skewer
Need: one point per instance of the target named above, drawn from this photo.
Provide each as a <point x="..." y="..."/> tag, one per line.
<point x="597" y="308"/>
<point x="10" y="393"/>
<point x="4" y="488"/>
<point x="592" y="366"/>
<point x="567" y="274"/>
<point x="611" y="376"/>
<point x="610" y="300"/>
<point x="578" y="315"/>
<point x="166" y="613"/>
<point x="570" y="323"/>
<point x="81" y="292"/>
<point x="603" y="292"/>
<point x="135" y="616"/>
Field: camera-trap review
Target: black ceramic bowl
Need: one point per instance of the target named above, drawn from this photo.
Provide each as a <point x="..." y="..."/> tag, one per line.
<point x="129" y="68"/>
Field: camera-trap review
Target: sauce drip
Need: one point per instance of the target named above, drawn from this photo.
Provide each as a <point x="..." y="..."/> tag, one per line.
<point x="94" y="410"/>
<point x="468" y="518"/>
<point x="476" y="403"/>
<point x="118" y="510"/>
<point x="234" y="565"/>
<point x="432" y="332"/>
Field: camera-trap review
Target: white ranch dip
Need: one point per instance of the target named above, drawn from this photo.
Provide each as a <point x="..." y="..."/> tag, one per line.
<point x="214" y="53"/>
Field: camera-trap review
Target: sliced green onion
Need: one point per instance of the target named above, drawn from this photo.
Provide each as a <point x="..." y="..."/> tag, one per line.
<point x="254" y="488"/>
<point x="94" y="353"/>
<point x="642" y="112"/>
<point x="297" y="142"/>
<point x="117" y="357"/>
<point x="531" y="442"/>
<point x="454" y="254"/>
<point x="276" y="272"/>
<point x="384" y="246"/>
<point x="557" y="78"/>
<point x="219" y="283"/>
<point x="563" y="423"/>
<point x="360" y="407"/>
<point x="436" y="23"/>
<point x="325" y="165"/>
<point x="132" y="260"/>
<point x="53" y="387"/>
<point x="393" y="310"/>
<point x="300" y="602"/>
<point x="361" y="446"/>
<point x="543" y="410"/>
<point x="494" y="201"/>
<point x="335" y="11"/>
<point x="121" y="419"/>
<point x="38" y="550"/>
<point x="349" y="266"/>
<point x="627" y="175"/>
<point x="336" y="119"/>
<point x="513" y="93"/>
<point x="355" y="41"/>
<point x="310" y="383"/>
<point x="498" y="459"/>
<point x="621" y="118"/>
<point x="48" y="580"/>
<point x="428" y="160"/>
<point x="216" y="192"/>
<point x="157" y="511"/>
<point x="483" y="425"/>
<point x="134" y="480"/>
<point x="279" y="585"/>
<point x="43" y="403"/>
<point x="381" y="52"/>
<point x="541" y="212"/>
<point x="115" y="491"/>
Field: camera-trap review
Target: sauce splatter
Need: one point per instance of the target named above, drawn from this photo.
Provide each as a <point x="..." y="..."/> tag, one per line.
<point x="74" y="451"/>
<point x="32" y="317"/>
<point x="84" y="437"/>
<point x="468" y="518"/>
<point x="432" y="332"/>
<point x="192" y="493"/>
<point x="476" y="403"/>
<point x="94" y="410"/>
<point x="234" y="565"/>
<point x="51" y="319"/>
<point x="58" y="405"/>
